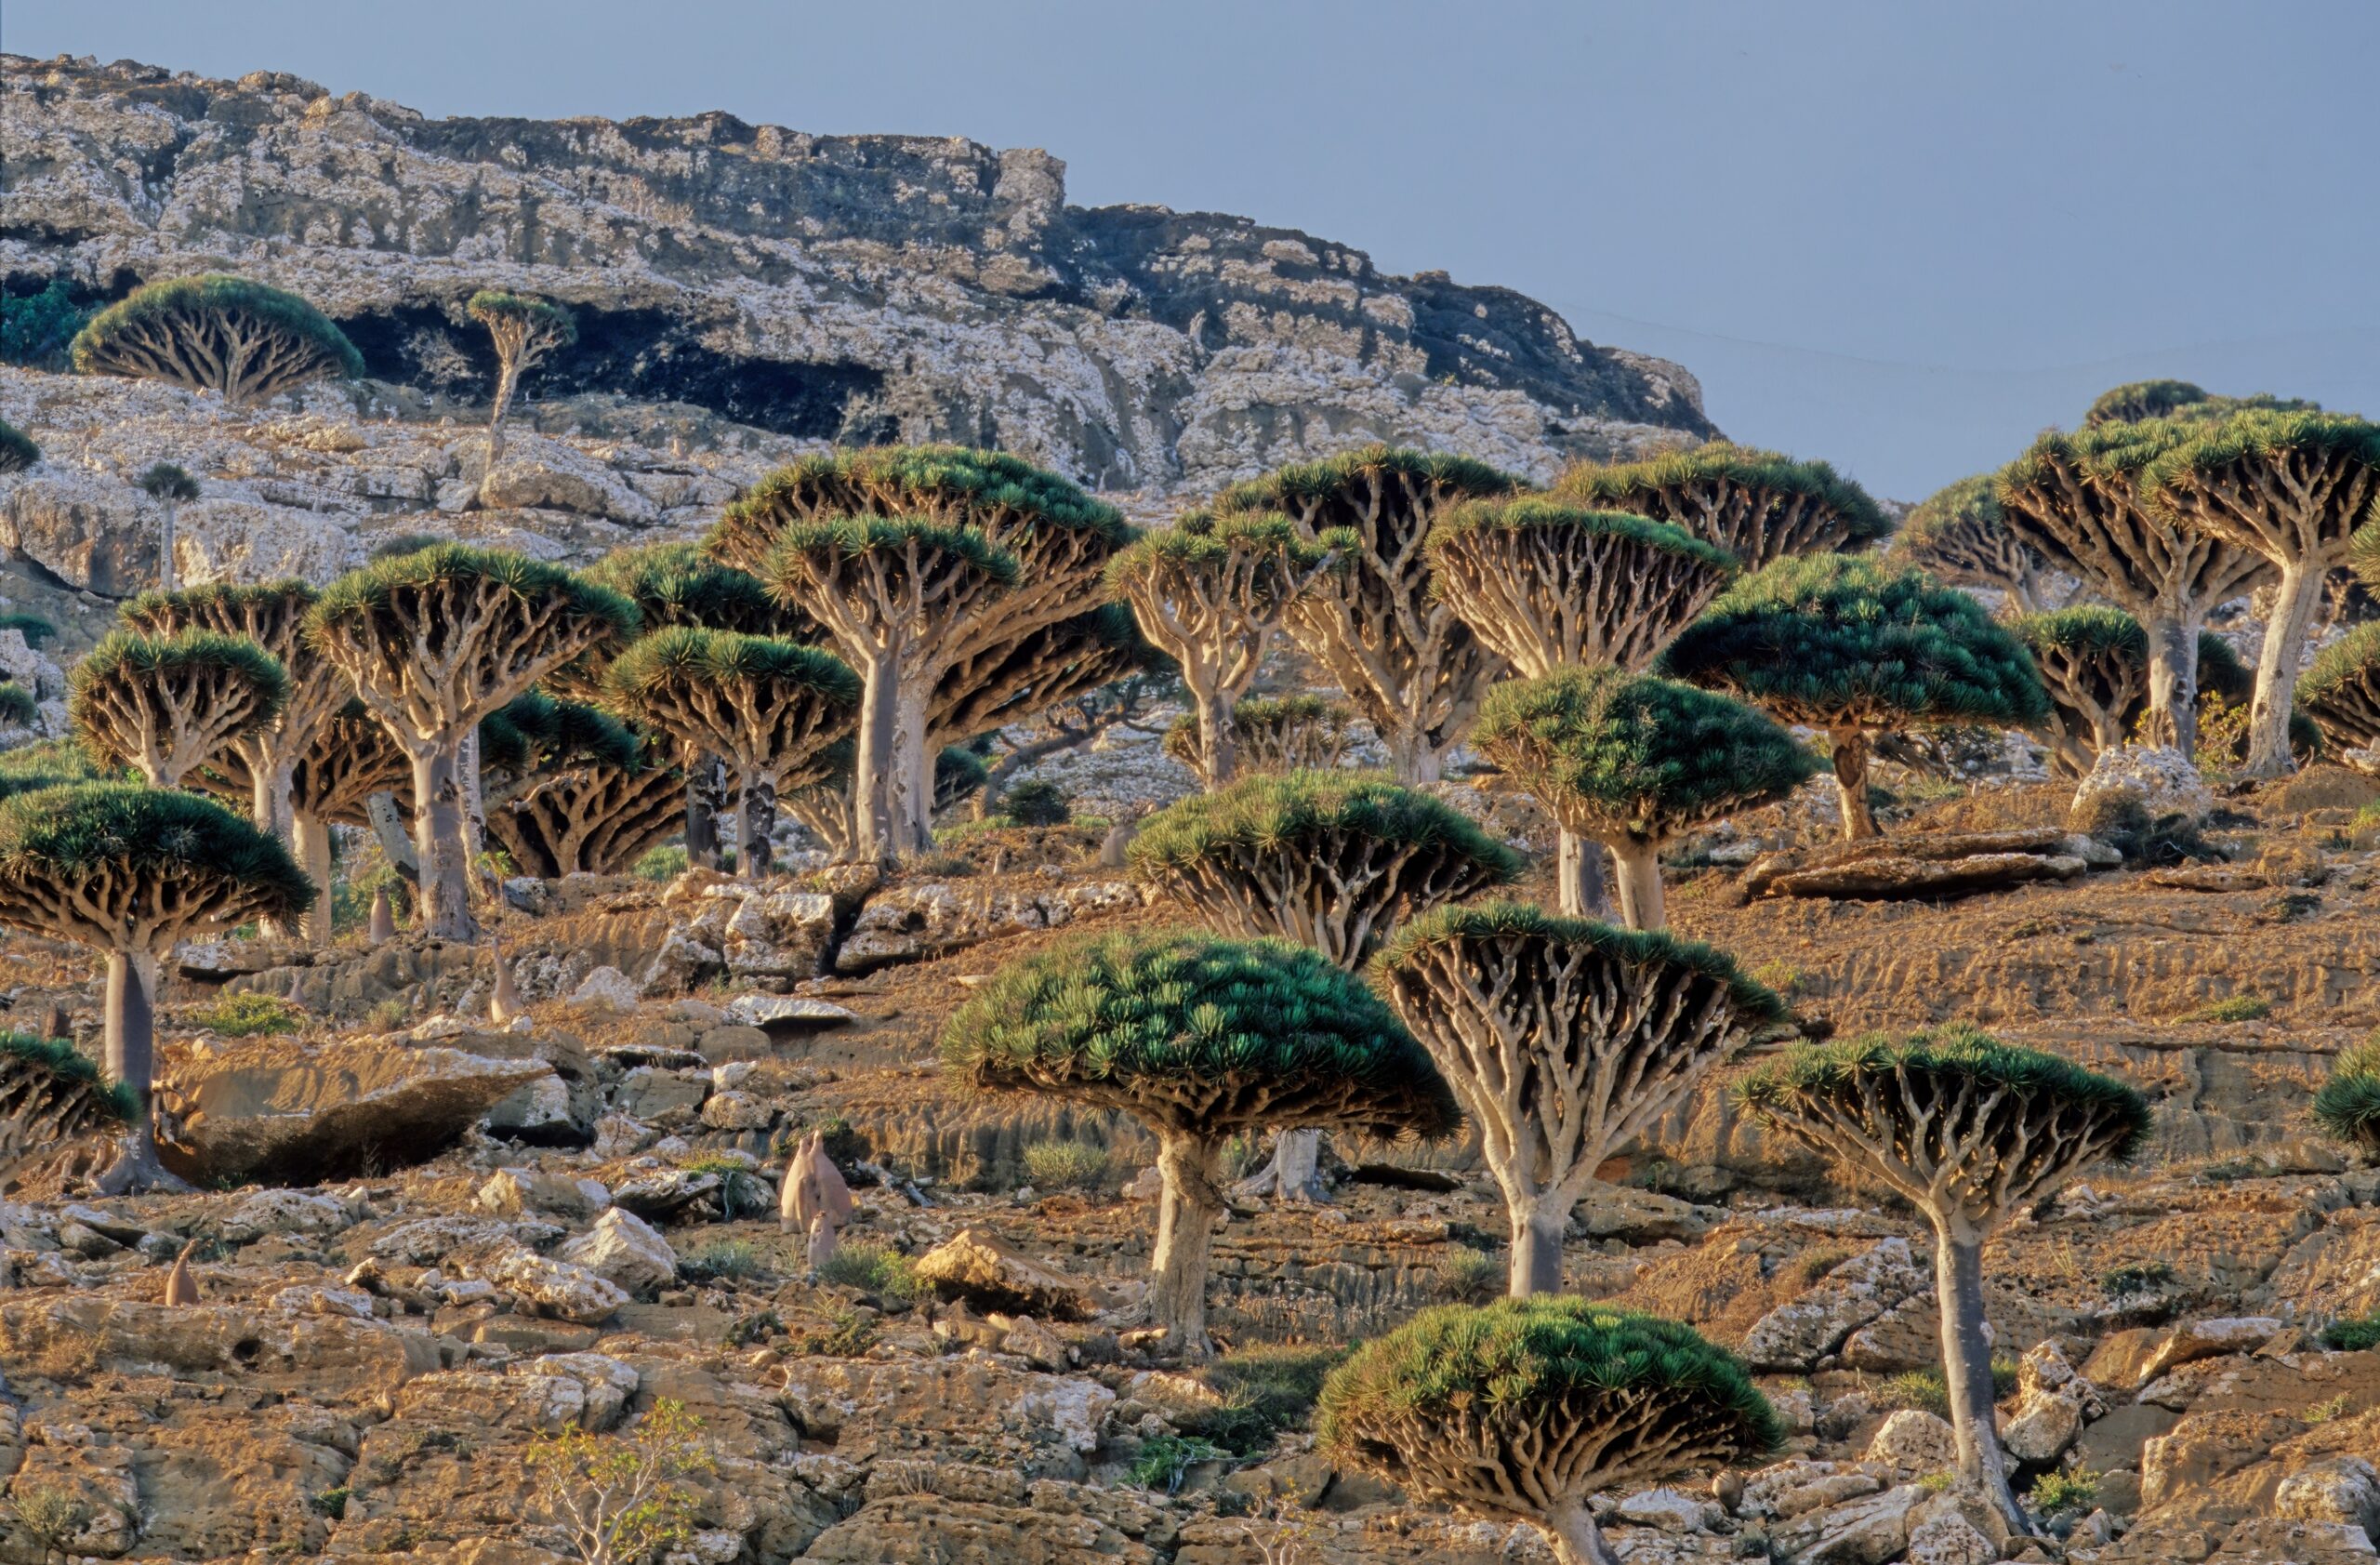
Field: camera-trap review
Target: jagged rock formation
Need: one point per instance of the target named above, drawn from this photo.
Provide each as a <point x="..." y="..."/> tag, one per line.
<point x="853" y="289"/>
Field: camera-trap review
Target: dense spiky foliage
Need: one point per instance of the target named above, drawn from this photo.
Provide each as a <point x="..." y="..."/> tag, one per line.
<point x="17" y="451"/>
<point x="1406" y="659"/>
<point x="678" y="584"/>
<point x="1200" y="1039"/>
<point x="1759" y="505"/>
<point x="436" y="640"/>
<point x="163" y="704"/>
<point x="2348" y="1104"/>
<point x="524" y="331"/>
<point x="1211" y="592"/>
<point x="1523" y="1409"/>
<point x="1565" y="1040"/>
<point x="2077" y="501"/>
<point x="2290" y="487"/>
<point x="1971" y="1131"/>
<point x="765" y="706"/>
<point x="893" y="593"/>
<point x="2094" y="663"/>
<point x="532" y="737"/>
<point x="1284" y="734"/>
<point x="51" y="1094"/>
<point x="52" y="764"/>
<point x="18" y="708"/>
<point x="1547" y="585"/>
<point x="1959" y="533"/>
<point x="273" y="615"/>
<point x="2136" y="401"/>
<point x="130" y="871"/>
<point x="216" y="333"/>
<point x="2341" y="691"/>
<point x="1632" y="761"/>
<point x="1334" y="860"/>
<point x="1850" y="645"/>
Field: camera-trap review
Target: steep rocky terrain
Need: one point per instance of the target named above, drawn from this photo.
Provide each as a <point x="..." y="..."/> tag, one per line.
<point x="852" y="289"/>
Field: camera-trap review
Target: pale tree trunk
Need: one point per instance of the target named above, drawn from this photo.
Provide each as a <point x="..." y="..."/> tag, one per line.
<point x="1571" y="1528"/>
<point x="310" y="838"/>
<point x="1216" y="747"/>
<point x="270" y="807"/>
<point x="1294" y="1176"/>
<point x="2299" y="595"/>
<point x="466" y="773"/>
<point x="912" y="802"/>
<point x="1966" y="1369"/>
<point x="1642" y="905"/>
<point x="1578" y="872"/>
<point x="705" y="789"/>
<point x="508" y="377"/>
<point x="1851" y="783"/>
<point x="1411" y="758"/>
<point x="872" y="770"/>
<point x="445" y="891"/>
<point x="1192" y="1171"/>
<point x="169" y="573"/>
<point x="756" y="814"/>
<point x="1537" y="1228"/>
<point x="2172" y="718"/>
<point x="395" y="833"/>
<point x="130" y="1054"/>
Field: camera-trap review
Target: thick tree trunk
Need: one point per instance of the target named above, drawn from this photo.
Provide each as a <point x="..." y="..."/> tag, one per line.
<point x="467" y="774"/>
<point x="438" y="846"/>
<point x="1216" y="747"/>
<point x="872" y="772"/>
<point x="1851" y="783"/>
<point x="2172" y="718"/>
<point x="1570" y="1527"/>
<point x="1193" y="1174"/>
<point x="1966" y="1369"/>
<point x="130" y="1054"/>
<point x="1641" y="902"/>
<point x="272" y="810"/>
<point x="1537" y="1246"/>
<point x="705" y="786"/>
<point x="756" y="817"/>
<point x="508" y="378"/>
<point x="1578" y="872"/>
<point x="310" y="838"/>
<point x="2299" y="595"/>
<point x="912" y="770"/>
<point x="1411" y="756"/>
<point x="395" y="833"/>
<point x="1294" y="1176"/>
<point x="168" y="575"/>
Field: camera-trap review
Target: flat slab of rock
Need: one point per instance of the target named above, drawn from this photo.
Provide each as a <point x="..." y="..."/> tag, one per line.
<point x="1929" y="864"/>
<point x="773" y="1013"/>
<point x="983" y="1269"/>
<point x="275" y="1112"/>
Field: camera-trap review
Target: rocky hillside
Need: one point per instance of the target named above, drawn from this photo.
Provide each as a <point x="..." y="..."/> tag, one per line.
<point x="823" y="287"/>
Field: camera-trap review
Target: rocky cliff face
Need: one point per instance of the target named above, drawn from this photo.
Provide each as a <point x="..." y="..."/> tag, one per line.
<point x="850" y="289"/>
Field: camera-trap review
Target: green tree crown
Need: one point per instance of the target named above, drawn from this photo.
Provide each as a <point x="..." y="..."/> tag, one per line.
<point x="215" y="292"/>
<point x="1332" y="477"/>
<point x="1277" y="812"/>
<point x="1635" y="947"/>
<point x="723" y="657"/>
<point x="534" y="732"/>
<point x="91" y="831"/>
<point x="373" y="591"/>
<point x="851" y="537"/>
<point x="1640" y="486"/>
<point x="952" y="482"/>
<point x="1202" y="540"/>
<point x="1646" y="755"/>
<point x="2205" y="451"/>
<point x="678" y="584"/>
<point x="492" y="304"/>
<point x="128" y="653"/>
<point x="2088" y="631"/>
<point x="227" y="600"/>
<point x="164" y="481"/>
<point x="2348" y="1104"/>
<point x="1969" y="502"/>
<point x="1845" y="640"/>
<point x="72" y="1071"/>
<point x="1535" y="511"/>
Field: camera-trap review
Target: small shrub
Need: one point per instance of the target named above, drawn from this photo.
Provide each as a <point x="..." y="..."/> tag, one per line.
<point x="846" y="1334"/>
<point x="2352" y="1337"/>
<point x="389" y="1015"/>
<point x="37" y="329"/>
<point x="1782" y="977"/>
<point x="18" y="708"/>
<point x="2144" y="1279"/>
<point x="397" y="544"/>
<point x="616" y="1497"/>
<point x="1938" y="1484"/>
<point x="36" y="630"/>
<point x="1921" y="1389"/>
<point x="2064" y="1493"/>
<point x="2232" y="1008"/>
<point x="872" y="1269"/>
<point x="663" y="863"/>
<point x="2120" y="817"/>
<point x="1467" y="1276"/>
<point x="331" y="1503"/>
<point x="1814" y="1266"/>
<point x="248" y="1016"/>
<point x="1036" y="802"/>
<point x="1065" y="1165"/>
<point x="1242" y="1156"/>
<point x="723" y="1259"/>
<point x="1164" y="1461"/>
<point x="1264" y="1391"/>
<point x="2323" y="1412"/>
<point x="55" y="1517"/>
<point x="740" y="1190"/>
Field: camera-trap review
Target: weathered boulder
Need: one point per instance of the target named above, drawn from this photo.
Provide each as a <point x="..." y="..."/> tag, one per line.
<point x="977" y="1266"/>
<point x="625" y="1249"/>
<point x="509" y="1192"/>
<point x="777" y="1013"/>
<point x="536" y="474"/>
<point x="319" y="1349"/>
<point x="286" y="1211"/>
<point x="2131" y="1359"/>
<point x="2163" y="779"/>
<point x="557" y="1289"/>
<point x="606" y="989"/>
<point x="284" y="1113"/>
<point x="916" y="923"/>
<point x="1928" y="863"/>
<point x="1045" y="1423"/>
<point x="1866" y="1531"/>
<point x="1913" y="1441"/>
<point x="1797" y="1334"/>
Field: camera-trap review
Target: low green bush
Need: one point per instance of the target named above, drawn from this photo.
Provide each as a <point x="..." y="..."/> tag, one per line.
<point x="1065" y="1165"/>
<point x="249" y="1015"/>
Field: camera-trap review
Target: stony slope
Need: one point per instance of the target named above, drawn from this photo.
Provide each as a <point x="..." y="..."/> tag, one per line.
<point x="860" y="287"/>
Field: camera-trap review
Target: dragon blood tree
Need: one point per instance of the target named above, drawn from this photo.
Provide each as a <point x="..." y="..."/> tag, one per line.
<point x="51" y="1094"/>
<point x="891" y="592"/>
<point x="1200" y="1039"/>
<point x="352" y="759"/>
<point x="1524" y="1408"/>
<point x="271" y="614"/>
<point x="2348" y="1104"/>
<point x="1406" y="659"/>
<point x="1757" y="505"/>
<point x="170" y="486"/>
<point x="17" y="451"/>
<point x="819" y="795"/>
<point x="1971" y="1132"/>
<point x="1849" y="647"/>
<point x="216" y="333"/>
<point x="1287" y="734"/>
<point x="1631" y="761"/>
<point x="1058" y="538"/>
<point x="131" y="871"/>
<point x="1332" y="860"/>
<point x="2094" y="662"/>
<point x="1565" y="1040"/>
<point x="2291" y="488"/>
<point x="436" y="640"/>
<point x="2076" y="500"/>
<point x="2139" y="402"/>
<point x="1960" y="535"/>
<point x="523" y="331"/>
<point x="766" y="707"/>
<point x="1210" y="593"/>
<point x="164" y="705"/>
<point x="594" y="817"/>
<point x="2341" y="691"/>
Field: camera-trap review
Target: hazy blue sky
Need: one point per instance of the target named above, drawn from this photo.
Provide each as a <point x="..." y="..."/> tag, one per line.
<point x="1901" y="234"/>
